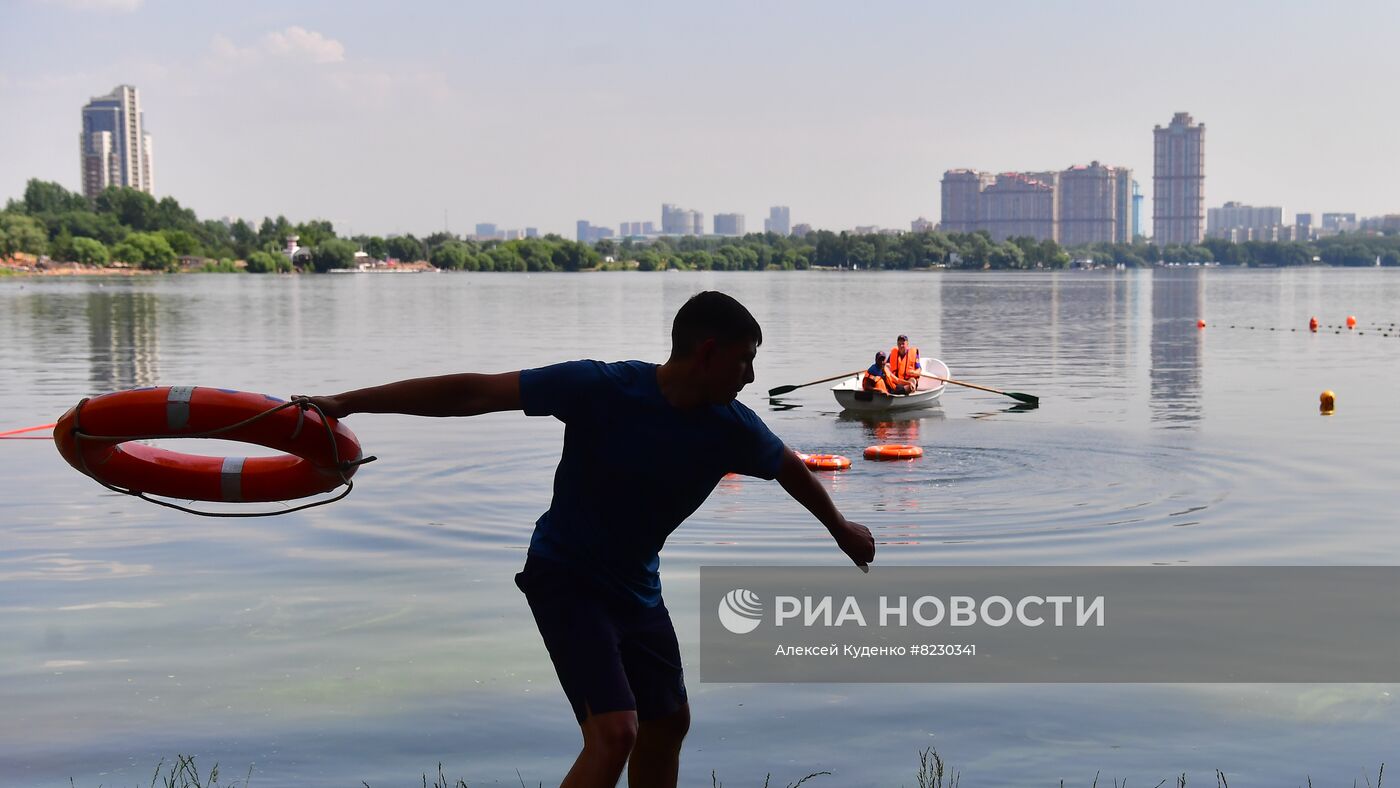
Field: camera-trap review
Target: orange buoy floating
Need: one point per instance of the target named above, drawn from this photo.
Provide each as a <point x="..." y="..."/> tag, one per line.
<point x="1327" y="403"/>
<point x="1351" y="321"/>
<point x="1312" y="325"/>
<point x="1200" y="324"/>
<point x="97" y="436"/>
<point x="825" y="462"/>
<point x="893" y="451"/>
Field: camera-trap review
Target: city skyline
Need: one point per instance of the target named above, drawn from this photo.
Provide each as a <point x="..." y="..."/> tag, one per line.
<point x="323" y="111"/>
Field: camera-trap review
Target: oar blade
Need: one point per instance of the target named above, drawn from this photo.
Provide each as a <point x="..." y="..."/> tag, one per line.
<point x="780" y="390"/>
<point x="1029" y="399"/>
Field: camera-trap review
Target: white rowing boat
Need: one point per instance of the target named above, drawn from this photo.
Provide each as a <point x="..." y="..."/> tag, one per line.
<point x="851" y="396"/>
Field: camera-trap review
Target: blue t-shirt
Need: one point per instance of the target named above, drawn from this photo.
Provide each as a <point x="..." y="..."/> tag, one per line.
<point x="633" y="467"/>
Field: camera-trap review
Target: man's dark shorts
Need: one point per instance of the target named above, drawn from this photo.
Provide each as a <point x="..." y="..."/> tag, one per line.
<point x="611" y="655"/>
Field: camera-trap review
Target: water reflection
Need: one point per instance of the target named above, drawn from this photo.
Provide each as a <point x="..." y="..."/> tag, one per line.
<point x="1175" y="378"/>
<point x="124" y="339"/>
<point x="1020" y="407"/>
<point x="1049" y="325"/>
<point x="897" y="427"/>
<point x="903" y="485"/>
<point x="388" y="627"/>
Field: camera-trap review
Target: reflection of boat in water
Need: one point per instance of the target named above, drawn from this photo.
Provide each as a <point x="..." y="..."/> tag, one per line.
<point x="850" y="395"/>
<point x="900" y="426"/>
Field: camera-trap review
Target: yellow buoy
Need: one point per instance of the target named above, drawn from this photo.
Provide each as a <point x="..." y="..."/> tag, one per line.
<point x="1327" y="403"/>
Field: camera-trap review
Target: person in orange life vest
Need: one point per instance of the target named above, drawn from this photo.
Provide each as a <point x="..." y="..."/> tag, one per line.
<point x="904" y="362"/>
<point x="879" y="378"/>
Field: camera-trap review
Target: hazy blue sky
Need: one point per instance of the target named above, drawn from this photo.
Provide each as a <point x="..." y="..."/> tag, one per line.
<point x="382" y="117"/>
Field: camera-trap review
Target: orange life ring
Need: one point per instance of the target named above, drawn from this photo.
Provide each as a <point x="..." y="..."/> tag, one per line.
<point x="893" y="451"/>
<point x="825" y="462"/>
<point x="307" y="468"/>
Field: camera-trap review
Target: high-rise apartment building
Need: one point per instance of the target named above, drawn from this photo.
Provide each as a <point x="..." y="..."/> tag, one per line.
<point x="1096" y="205"/>
<point x="1333" y="223"/>
<point x="779" y="220"/>
<point x="1017" y="204"/>
<point x="586" y="232"/>
<point x="637" y="229"/>
<point x="1179" y="181"/>
<point x="729" y="224"/>
<point x="487" y="231"/>
<point x="962" y="190"/>
<point x="680" y="221"/>
<point x="1137" y="213"/>
<point x="1125" y="205"/>
<point x="1088" y="205"/>
<point x="115" y="148"/>
<point x="1080" y="205"/>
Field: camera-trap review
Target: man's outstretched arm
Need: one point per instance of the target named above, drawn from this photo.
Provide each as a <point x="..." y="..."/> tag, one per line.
<point x="463" y="394"/>
<point x="853" y="538"/>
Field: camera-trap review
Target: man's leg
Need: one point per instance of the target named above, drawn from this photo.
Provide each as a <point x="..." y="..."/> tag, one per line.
<point x="580" y="631"/>
<point x="656" y="758"/>
<point x="608" y="740"/>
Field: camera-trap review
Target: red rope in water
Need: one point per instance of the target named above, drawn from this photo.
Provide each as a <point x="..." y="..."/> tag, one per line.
<point x="26" y="429"/>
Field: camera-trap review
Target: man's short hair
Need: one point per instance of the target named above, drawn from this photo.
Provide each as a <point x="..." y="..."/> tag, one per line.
<point x="712" y="315"/>
<point x="902" y="338"/>
<point x="879" y="354"/>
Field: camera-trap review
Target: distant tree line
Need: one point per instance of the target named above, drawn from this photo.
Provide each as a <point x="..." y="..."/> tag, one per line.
<point x="129" y="226"/>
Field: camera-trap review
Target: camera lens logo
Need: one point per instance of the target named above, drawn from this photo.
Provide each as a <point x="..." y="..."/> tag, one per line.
<point x="740" y="611"/>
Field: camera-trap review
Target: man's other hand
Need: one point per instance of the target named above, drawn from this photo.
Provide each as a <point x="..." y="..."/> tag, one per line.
<point x="856" y="542"/>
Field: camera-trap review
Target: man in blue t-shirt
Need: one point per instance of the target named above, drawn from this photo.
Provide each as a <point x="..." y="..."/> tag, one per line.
<point x="644" y="445"/>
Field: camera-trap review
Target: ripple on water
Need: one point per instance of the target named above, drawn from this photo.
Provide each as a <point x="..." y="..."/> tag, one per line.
<point x="998" y="492"/>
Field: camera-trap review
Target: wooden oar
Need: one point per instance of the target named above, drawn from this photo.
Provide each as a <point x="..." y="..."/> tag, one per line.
<point x="1029" y="399"/>
<point x="785" y="389"/>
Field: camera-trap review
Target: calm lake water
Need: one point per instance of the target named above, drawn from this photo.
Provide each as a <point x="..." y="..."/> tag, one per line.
<point x="371" y="639"/>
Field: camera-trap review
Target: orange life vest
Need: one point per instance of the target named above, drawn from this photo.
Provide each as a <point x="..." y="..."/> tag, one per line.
<point x="907" y="367"/>
<point x="883" y="383"/>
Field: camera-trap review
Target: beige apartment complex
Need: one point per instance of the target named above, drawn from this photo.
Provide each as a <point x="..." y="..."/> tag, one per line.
<point x="1020" y="204"/>
<point x="962" y="191"/>
<point x="1080" y="205"/>
<point x="1088" y="208"/>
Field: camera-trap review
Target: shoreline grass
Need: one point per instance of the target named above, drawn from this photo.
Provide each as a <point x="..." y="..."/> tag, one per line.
<point x="933" y="772"/>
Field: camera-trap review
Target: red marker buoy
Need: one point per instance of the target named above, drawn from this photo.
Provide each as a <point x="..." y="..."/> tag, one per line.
<point x="1312" y="325"/>
<point x="1200" y="324"/>
<point x="1351" y="321"/>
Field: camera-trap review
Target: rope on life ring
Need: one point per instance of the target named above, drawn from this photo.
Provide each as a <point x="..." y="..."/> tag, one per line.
<point x="893" y="451"/>
<point x="91" y="437"/>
